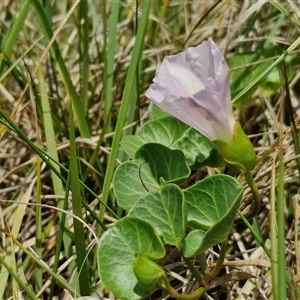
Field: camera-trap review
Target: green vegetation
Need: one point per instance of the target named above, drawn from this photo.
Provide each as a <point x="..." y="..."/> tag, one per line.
<point x="73" y="75"/>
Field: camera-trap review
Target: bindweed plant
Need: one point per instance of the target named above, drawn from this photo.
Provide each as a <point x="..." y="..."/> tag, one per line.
<point x="193" y="87"/>
<point x="75" y="79"/>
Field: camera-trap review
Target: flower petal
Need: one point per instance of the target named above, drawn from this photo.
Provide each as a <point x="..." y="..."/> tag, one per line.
<point x="194" y="87"/>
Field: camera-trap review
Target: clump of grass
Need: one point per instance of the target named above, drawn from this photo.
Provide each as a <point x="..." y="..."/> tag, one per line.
<point x="72" y="82"/>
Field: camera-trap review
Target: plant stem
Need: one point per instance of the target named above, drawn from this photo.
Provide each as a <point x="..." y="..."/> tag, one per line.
<point x="173" y="293"/>
<point x="256" y="196"/>
<point x="220" y="261"/>
<point x="204" y="267"/>
<point x="194" y="271"/>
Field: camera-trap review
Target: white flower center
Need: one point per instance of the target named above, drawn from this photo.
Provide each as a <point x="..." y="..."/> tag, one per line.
<point x="185" y="78"/>
<point x="197" y="87"/>
<point x="189" y="87"/>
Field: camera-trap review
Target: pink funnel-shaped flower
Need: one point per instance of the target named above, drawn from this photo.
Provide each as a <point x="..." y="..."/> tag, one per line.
<point x="193" y="86"/>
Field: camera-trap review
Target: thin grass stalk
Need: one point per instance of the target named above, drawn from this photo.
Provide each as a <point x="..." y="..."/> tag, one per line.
<point x="51" y="148"/>
<point x="96" y="151"/>
<point x="38" y="272"/>
<point x="60" y="124"/>
<point x="84" y="53"/>
<point x="108" y="98"/>
<point x="291" y="114"/>
<point x="48" y="11"/>
<point x="15" y="285"/>
<point x="57" y="55"/>
<point x="257" y="236"/>
<point x="84" y="64"/>
<point x="132" y="115"/>
<point x="296" y="240"/>
<point x="257" y="228"/>
<point x="16" y="28"/>
<point x="53" y="85"/>
<point x="137" y="49"/>
<point x="282" y="278"/>
<point x="79" y="236"/>
<point x="273" y="233"/>
<point x="108" y="71"/>
<point x="60" y="238"/>
<point x="109" y="49"/>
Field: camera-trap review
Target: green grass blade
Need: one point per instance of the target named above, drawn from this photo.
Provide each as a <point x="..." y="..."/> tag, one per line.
<point x="16" y="28"/>
<point x="60" y="237"/>
<point x="48" y="12"/>
<point x="56" y="53"/>
<point x="281" y="226"/>
<point x="273" y="233"/>
<point x="125" y="103"/>
<point x="109" y="53"/>
<point x="79" y="236"/>
<point x="257" y="236"/>
<point x="38" y="223"/>
<point x="51" y="148"/>
<point x="84" y="53"/>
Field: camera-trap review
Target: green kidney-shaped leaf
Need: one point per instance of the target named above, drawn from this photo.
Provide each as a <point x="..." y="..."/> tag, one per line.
<point x="198" y="150"/>
<point x="157" y="113"/>
<point x="154" y="166"/>
<point x="165" y="165"/>
<point x="147" y="272"/>
<point x="166" y="210"/>
<point x="132" y="181"/>
<point x="170" y="132"/>
<point x="163" y="131"/>
<point x="117" y="252"/>
<point x="210" y="199"/>
<point x="198" y="241"/>
<point x="212" y="207"/>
